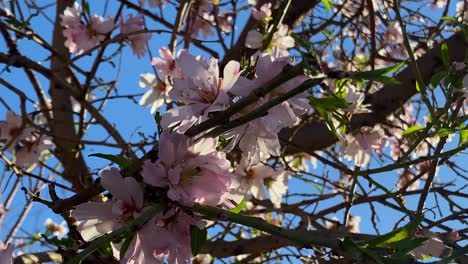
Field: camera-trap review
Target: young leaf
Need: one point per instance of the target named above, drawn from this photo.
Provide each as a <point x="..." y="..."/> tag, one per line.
<point x="437" y="78"/>
<point x="444" y="132"/>
<point x="239" y="207"/>
<point x="198" y="238"/>
<point x="397" y="235"/>
<point x="412" y="129"/>
<point x="379" y="75"/>
<point x="327" y="5"/>
<point x="120" y="160"/>
<point x="444" y="53"/>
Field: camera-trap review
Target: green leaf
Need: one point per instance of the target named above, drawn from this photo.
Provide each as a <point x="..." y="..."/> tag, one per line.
<point x="449" y="18"/>
<point x="198" y="238"/>
<point x="444" y="53"/>
<point x="397" y="235"/>
<point x="419" y="88"/>
<point x="126" y="244"/>
<point x="444" y="132"/>
<point x="437" y="78"/>
<point x="406" y="245"/>
<point x="360" y="252"/>
<point x="327" y="5"/>
<point x="120" y="160"/>
<point x="412" y="129"/>
<point x="463" y="135"/>
<point x="331" y="103"/>
<point x="239" y="207"/>
<point x="379" y="75"/>
<point x="107" y="250"/>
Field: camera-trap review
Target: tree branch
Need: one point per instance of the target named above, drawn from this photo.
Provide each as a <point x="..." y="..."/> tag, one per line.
<point x="315" y="135"/>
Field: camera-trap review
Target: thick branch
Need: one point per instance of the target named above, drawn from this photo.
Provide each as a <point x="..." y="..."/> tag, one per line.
<point x="315" y="135"/>
<point x="67" y="151"/>
<point x="257" y="245"/>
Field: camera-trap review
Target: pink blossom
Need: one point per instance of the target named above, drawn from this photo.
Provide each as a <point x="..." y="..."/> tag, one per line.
<point x="281" y="42"/>
<point x="31" y="150"/>
<point x="166" y="65"/>
<point x="137" y="41"/>
<point x="201" y="21"/>
<point x="405" y="178"/>
<point x="174" y="244"/>
<point x="438" y="4"/>
<point x="258" y="139"/>
<point x="192" y="172"/>
<point x="264" y="12"/>
<point x="58" y="230"/>
<point x="157" y="94"/>
<point x="453" y="236"/>
<point x="2" y="210"/>
<point x="154" y="3"/>
<point x="461" y="13"/>
<point x="81" y="37"/>
<point x="13" y="129"/>
<point x="201" y="91"/>
<point x="224" y="21"/>
<point x="97" y="219"/>
<point x="358" y="147"/>
<point x="394" y="34"/>
<point x="433" y="246"/>
<point x="6" y="253"/>
<point x="254" y="179"/>
<point x="355" y="99"/>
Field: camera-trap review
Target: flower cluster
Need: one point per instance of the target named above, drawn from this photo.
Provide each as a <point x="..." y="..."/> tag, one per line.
<point x="83" y="36"/>
<point x="189" y="172"/>
<point x="19" y="138"/>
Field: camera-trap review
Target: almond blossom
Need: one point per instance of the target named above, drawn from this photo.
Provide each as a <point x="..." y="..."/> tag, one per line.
<point x="166" y="65"/>
<point x="253" y="179"/>
<point x="201" y="21"/>
<point x="352" y="225"/>
<point x="81" y="37"/>
<point x="201" y="91"/>
<point x="258" y="139"/>
<point x="31" y="150"/>
<point x="98" y="218"/>
<point x="137" y="40"/>
<point x="394" y="34"/>
<point x="433" y="246"/>
<point x="157" y="94"/>
<point x="13" y="128"/>
<point x="193" y="172"/>
<point x="6" y="253"/>
<point x="358" y="147"/>
<point x="281" y="41"/>
<point x="264" y="13"/>
<point x="173" y="229"/>
<point x="58" y="230"/>
<point x="438" y="4"/>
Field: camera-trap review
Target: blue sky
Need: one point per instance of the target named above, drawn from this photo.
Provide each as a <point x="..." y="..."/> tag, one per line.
<point x="131" y="119"/>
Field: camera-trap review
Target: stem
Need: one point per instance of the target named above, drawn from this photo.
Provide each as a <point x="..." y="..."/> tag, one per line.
<point x="260" y="224"/>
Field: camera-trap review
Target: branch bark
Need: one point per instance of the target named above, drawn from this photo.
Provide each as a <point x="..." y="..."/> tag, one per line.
<point x="314" y="135"/>
<point x="62" y="124"/>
